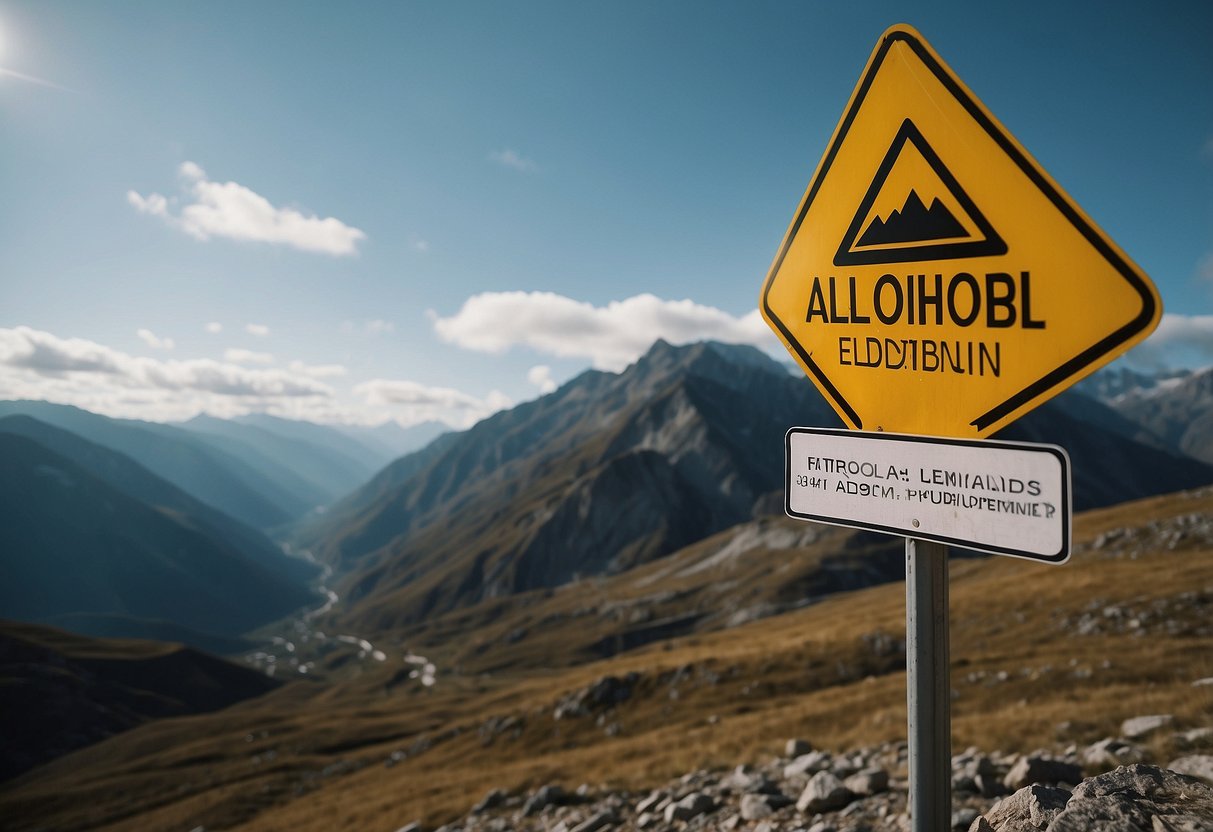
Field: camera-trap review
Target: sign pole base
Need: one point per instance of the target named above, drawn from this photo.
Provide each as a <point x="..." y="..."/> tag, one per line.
<point x="928" y="689"/>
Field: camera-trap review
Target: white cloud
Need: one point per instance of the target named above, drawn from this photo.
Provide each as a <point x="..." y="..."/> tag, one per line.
<point x="611" y="336"/>
<point x="214" y="327"/>
<point x="242" y="356"/>
<point x="413" y="402"/>
<point x="1179" y="341"/>
<point x="259" y="330"/>
<point x="153" y="204"/>
<point x="39" y="365"/>
<point x="541" y="376"/>
<point x="418" y="244"/>
<point x="231" y="210"/>
<point x="511" y="159"/>
<point x="148" y="337"/>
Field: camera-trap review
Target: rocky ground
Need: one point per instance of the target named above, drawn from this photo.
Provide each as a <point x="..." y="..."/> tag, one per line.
<point x="818" y="791"/>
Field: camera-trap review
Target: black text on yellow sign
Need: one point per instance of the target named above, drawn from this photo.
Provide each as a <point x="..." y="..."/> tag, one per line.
<point x="935" y="279"/>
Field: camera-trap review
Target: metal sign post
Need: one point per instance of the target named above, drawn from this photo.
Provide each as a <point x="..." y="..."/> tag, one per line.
<point x="935" y="280"/>
<point x="928" y="689"/>
<point x="1009" y="498"/>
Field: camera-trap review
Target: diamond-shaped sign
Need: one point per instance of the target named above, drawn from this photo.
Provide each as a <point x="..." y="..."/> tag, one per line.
<point x="935" y="280"/>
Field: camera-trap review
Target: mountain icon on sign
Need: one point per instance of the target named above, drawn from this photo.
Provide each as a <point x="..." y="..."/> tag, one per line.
<point x="916" y="232"/>
<point x="912" y="223"/>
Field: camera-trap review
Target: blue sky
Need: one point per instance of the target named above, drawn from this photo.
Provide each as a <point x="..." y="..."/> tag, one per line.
<point x="352" y="211"/>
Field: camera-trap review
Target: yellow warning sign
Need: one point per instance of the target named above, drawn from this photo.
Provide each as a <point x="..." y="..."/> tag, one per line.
<point x="935" y="280"/>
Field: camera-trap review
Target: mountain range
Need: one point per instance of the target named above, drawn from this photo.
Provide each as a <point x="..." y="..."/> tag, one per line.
<point x="119" y="520"/>
<point x="264" y="471"/>
<point x="75" y="546"/>
<point x="1179" y="410"/>
<point x="612" y="471"/>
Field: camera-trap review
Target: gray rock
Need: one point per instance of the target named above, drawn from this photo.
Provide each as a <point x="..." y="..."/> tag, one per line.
<point x="743" y="779"/>
<point x="821" y="826"/>
<point x="807" y="764"/>
<point x="868" y="782"/>
<point x="492" y="800"/>
<point x="1199" y="766"/>
<point x="981" y="825"/>
<point x="1131" y="797"/>
<point x="596" y="822"/>
<point x="796" y="748"/>
<point x="650" y="802"/>
<point x="1141" y="726"/>
<point x="691" y="806"/>
<point x="546" y="796"/>
<point x="756" y="807"/>
<point x="824" y="793"/>
<point x="1109" y="753"/>
<point x="1030" y="769"/>
<point x="1031" y="809"/>
<point x="412" y="827"/>
<point x="646" y="819"/>
<point x="1175" y="823"/>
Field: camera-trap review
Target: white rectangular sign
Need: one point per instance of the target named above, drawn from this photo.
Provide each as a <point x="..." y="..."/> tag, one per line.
<point x="1008" y="498"/>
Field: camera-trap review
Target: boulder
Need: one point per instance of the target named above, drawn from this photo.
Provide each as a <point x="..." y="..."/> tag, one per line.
<point x="807" y="764"/>
<point x="691" y="806"/>
<point x="651" y="802"/>
<point x="868" y="782"/>
<point x="601" y="820"/>
<point x="747" y="781"/>
<point x="1199" y="766"/>
<point x="1109" y="753"/>
<point x="1031" y="769"/>
<point x="756" y="807"/>
<point x="546" y="796"/>
<point x="1142" y="726"/>
<point x="1137" y="797"/>
<point x="824" y="793"/>
<point x="1031" y="809"/>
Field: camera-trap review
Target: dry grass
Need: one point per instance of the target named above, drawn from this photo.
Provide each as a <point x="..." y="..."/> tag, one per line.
<point x="742" y="692"/>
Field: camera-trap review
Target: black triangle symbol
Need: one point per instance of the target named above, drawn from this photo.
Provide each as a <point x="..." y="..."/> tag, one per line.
<point x="915" y="222"/>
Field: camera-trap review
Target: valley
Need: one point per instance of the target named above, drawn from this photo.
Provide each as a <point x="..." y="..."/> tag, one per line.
<point x="596" y="587"/>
